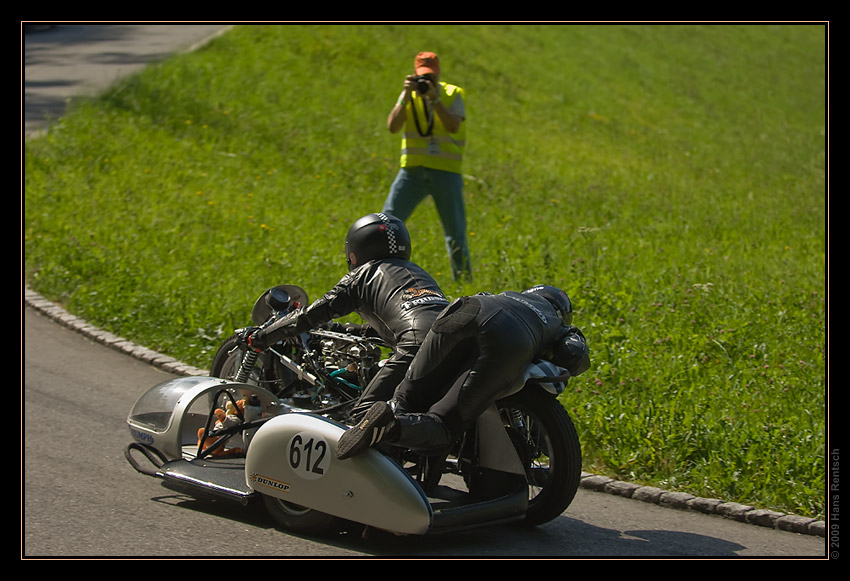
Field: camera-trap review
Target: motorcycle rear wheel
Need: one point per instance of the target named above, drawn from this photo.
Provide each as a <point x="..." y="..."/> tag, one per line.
<point x="548" y="443"/>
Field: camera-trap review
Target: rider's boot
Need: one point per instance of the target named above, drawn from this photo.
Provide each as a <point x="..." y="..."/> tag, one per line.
<point x="429" y="436"/>
<point x="377" y="425"/>
<point x="421" y="432"/>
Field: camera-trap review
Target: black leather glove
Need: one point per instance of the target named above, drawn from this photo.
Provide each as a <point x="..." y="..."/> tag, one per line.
<point x="281" y="329"/>
<point x="364" y="330"/>
<point x="332" y="326"/>
<point x="257" y="340"/>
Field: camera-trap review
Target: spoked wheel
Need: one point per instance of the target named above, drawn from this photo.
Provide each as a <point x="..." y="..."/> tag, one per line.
<point x="549" y="447"/>
<point x="296" y="518"/>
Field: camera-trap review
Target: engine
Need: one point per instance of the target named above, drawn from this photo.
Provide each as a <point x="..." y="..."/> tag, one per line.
<point x="349" y="358"/>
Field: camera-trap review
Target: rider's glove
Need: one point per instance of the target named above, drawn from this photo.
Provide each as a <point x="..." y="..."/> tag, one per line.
<point x="281" y="329"/>
<point x="355" y="329"/>
<point x="245" y="333"/>
<point x="349" y="328"/>
<point x="257" y="340"/>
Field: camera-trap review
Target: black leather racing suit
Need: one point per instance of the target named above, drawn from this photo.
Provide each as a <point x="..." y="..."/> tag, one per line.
<point x="395" y="297"/>
<point x="477" y="349"/>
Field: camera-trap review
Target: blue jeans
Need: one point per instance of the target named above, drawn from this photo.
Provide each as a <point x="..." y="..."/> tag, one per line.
<point x="414" y="184"/>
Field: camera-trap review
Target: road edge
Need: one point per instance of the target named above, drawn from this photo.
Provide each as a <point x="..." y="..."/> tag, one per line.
<point x="678" y="500"/>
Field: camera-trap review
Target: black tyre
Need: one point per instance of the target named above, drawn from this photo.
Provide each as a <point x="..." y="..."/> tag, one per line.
<point x="548" y="443"/>
<point x="296" y="518"/>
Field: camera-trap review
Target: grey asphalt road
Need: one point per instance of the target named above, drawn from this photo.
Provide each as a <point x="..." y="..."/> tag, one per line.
<point x="80" y="498"/>
<point x="70" y="60"/>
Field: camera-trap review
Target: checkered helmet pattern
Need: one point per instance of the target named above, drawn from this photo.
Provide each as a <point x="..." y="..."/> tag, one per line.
<point x="375" y="237"/>
<point x="392" y="242"/>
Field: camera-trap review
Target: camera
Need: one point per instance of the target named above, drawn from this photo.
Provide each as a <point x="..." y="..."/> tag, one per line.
<point x="422" y="84"/>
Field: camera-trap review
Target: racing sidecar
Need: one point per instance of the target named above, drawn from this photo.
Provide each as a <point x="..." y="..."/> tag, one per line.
<point x="287" y="458"/>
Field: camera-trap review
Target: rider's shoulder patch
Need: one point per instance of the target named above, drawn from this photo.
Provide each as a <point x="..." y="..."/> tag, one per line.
<point x="416" y="297"/>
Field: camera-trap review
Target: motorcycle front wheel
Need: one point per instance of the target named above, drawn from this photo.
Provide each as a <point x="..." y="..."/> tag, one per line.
<point x="228" y="360"/>
<point x="550" y="449"/>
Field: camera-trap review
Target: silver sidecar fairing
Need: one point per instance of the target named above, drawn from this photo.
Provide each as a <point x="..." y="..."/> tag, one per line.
<point x="167" y="416"/>
<point x="293" y="457"/>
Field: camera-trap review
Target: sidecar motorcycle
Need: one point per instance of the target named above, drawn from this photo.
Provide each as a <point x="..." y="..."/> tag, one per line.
<point x="286" y="458"/>
<point x="266" y="428"/>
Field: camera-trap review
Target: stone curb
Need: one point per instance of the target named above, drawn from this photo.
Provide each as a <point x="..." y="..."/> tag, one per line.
<point x="679" y="500"/>
<point x="684" y="501"/>
<point x="64" y="318"/>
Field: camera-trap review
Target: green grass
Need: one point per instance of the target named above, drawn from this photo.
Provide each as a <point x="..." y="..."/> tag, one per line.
<point x="671" y="178"/>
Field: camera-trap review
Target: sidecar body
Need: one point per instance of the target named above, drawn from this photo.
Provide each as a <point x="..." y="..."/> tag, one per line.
<point x="291" y="457"/>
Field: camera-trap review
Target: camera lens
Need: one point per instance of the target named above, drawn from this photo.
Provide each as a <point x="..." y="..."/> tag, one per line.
<point x="422" y="85"/>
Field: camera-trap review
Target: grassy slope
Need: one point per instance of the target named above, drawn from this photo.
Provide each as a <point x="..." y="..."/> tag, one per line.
<point x="671" y="178"/>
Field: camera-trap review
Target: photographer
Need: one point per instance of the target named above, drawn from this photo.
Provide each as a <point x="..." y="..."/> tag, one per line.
<point x="432" y="115"/>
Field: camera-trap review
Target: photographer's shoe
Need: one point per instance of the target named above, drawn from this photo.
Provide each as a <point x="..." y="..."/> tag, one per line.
<point x="377" y="425"/>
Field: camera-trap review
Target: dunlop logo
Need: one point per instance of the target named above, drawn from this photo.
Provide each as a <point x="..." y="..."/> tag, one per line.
<point x="271" y="483"/>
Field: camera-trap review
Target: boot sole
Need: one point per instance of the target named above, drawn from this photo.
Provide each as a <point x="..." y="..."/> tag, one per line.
<point x="368" y="432"/>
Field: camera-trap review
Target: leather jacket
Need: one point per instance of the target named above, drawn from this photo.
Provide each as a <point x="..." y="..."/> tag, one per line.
<point x="395" y="297"/>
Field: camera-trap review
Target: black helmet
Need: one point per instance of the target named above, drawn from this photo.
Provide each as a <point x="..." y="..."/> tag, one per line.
<point x="571" y="352"/>
<point x="376" y="236"/>
<point x="557" y="298"/>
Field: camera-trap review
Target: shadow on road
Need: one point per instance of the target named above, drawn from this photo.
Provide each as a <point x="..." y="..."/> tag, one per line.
<point x="561" y="538"/>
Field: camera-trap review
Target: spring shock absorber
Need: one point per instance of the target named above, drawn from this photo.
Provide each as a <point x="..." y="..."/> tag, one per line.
<point x="517" y="422"/>
<point x="246" y="366"/>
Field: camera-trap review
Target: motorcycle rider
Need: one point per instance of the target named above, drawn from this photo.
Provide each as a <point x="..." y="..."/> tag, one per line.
<point x="396" y="298"/>
<point x="475" y="352"/>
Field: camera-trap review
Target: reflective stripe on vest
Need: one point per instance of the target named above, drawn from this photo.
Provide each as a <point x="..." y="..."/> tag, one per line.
<point x="441" y="150"/>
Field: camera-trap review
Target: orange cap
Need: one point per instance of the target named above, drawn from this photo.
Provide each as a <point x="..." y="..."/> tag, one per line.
<point x="427" y="62"/>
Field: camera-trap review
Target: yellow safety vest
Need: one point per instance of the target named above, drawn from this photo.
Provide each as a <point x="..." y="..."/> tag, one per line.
<point x="440" y="150"/>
